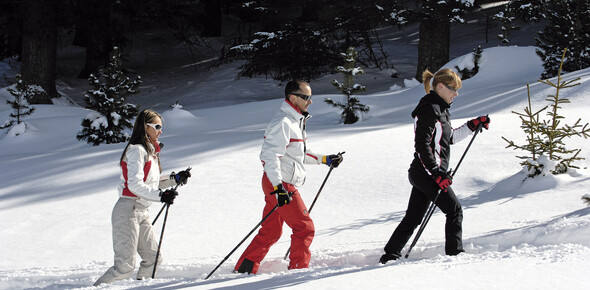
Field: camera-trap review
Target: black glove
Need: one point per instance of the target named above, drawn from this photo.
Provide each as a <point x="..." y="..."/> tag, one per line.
<point x="442" y="178"/>
<point x="333" y="159"/>
<point x="483" y="120"/>
<point x="168" y="196"/>
<point x="181" y="177"/>
<point x="283" y="197"/>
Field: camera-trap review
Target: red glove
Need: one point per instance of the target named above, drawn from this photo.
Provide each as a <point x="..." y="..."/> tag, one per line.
<point x="473" y="123"/>
<point x="443" y="179"/>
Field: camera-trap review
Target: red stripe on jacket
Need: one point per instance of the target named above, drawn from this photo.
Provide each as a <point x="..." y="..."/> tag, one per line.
<point x="146" y="170"/>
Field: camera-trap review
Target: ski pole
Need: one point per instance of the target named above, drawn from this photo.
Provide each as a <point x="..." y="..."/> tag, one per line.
<point x="316" y="198"/>
<point x="432" y="206"/>
<point x="167" y="206"/>
<point x="244" y="239"/>
<point x="158" y="215"/>
<point x="160" y="243"/>
<point x="163" y="206"/>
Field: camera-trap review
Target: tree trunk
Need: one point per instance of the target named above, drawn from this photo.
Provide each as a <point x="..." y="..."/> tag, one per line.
<point x="435" y="39"/>
<point x="80" y="25"/>
<point x="11" y="23"/>
<point x="211" y="20"/>
<point x="40" y="48"/>
<point x="98" y="39"/>
<point x="311" y="10"/>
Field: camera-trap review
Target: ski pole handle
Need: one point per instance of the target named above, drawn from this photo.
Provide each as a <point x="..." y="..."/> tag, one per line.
<point x="162" y="209"/>
<point x="188" y="169"/>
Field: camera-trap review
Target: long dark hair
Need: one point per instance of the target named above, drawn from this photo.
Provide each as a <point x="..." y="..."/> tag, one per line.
<point x="139" y="136"/>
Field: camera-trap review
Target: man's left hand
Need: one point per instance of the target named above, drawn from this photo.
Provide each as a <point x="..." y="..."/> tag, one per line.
<point x="333" y="159"/>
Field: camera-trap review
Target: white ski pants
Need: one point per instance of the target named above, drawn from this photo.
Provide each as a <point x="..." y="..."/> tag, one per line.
<point x="132" y="233"/>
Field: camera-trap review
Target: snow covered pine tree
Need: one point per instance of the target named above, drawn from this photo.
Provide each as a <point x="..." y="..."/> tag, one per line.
<point x="349" y="88"/>
<point x="111" y="114"/>
<point x="20" y="106"/>
<point x="568" y="28"/>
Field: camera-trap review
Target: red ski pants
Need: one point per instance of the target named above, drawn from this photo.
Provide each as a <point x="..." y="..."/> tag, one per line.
<point x="297" y="218"/>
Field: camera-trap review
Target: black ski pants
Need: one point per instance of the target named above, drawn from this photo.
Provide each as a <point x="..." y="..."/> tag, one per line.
<point x="424" y="190"/>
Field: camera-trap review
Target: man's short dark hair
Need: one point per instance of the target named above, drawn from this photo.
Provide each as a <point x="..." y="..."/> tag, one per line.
<point x="294" y="86"/>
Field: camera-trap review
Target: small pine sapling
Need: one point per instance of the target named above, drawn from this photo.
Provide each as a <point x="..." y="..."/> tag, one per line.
<point x="545" y="137"/>
<point x="352" y="105"/>
<point x="108" y="99"/>
<point x="19" y="104"/>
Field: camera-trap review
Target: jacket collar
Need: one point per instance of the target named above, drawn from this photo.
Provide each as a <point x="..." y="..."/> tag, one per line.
<point x="435" y="98"/>
<point x="431" y="99"/>
<point x="293" y="111"/>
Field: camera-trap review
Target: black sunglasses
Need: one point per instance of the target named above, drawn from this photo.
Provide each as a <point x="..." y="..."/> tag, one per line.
<point x="305" y="97"/>
<point x="450" y="88"/>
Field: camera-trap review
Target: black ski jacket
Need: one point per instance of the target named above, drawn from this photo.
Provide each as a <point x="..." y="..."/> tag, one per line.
<point x="433" y="134"/>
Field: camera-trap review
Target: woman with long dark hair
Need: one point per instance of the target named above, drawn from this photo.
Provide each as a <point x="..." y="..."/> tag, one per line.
<point x="140" y="186"/>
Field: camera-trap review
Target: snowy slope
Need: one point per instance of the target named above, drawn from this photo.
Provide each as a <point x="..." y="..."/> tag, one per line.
<point x="57" y="195"/>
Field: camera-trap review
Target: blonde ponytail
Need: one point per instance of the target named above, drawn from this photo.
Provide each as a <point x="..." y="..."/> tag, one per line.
<point x="446" y="76"/>
<point x="426" y="77"/>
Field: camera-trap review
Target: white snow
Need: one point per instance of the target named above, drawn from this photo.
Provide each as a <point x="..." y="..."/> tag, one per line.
<point x="57" y="193"/>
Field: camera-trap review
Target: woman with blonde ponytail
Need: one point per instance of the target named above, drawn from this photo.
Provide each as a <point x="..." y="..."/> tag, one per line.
<point x="428" y="173"/>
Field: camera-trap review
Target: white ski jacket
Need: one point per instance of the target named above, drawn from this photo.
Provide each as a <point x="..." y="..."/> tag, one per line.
<point x="140" y="176"/>
<point x="284" y="151"/>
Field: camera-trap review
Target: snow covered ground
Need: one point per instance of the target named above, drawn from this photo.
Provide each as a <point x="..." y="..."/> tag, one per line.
<point x="57" y="193"/>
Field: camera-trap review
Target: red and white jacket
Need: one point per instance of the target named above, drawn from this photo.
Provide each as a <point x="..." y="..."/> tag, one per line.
<point x="140" y="176"/>
<point x="284" y="151"/>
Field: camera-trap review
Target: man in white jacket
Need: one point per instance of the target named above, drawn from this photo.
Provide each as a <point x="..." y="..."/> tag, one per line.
<point x="284" y="155"/>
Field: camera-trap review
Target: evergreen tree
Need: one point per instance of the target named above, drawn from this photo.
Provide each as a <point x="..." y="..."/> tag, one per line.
<point x="586" y="199"/>
<point x="295" y="52"/>
<point x="349" y="88"/>
<point x="355" y="24"/>
<point x="20" y="105"/>
<point x="569" y="27"/>
<point x="545" y="137"/>
<point x="111" y="113"/>
<point x="507" y="19"/>
<point x="300" y="39"/>
<point x="529" y="11"/>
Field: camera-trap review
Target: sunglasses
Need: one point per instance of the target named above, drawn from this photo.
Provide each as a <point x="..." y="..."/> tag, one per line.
<point x="450" y="88"/>
<point x="157" y="127"/>
<point x="305" y="97"/>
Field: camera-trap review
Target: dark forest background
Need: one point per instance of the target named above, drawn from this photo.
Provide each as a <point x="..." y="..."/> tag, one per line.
<point x="282" y="39"/>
